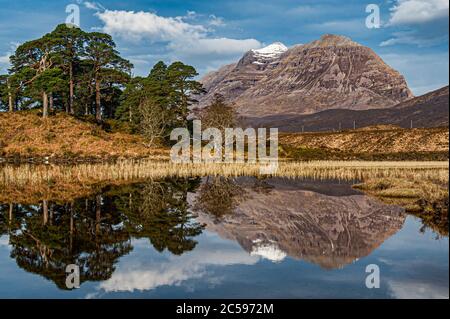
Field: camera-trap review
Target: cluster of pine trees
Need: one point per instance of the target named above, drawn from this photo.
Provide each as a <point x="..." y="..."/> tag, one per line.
<point x="83" y="74"/>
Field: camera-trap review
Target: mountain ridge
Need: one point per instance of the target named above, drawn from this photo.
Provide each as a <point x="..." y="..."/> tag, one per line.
<point x="329" y="73"/>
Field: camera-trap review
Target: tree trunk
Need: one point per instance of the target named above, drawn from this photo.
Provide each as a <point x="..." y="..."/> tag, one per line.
<point x="45" y="211"/>
<point x="71" y="109"/>
<point x="98" y="108"/>
<point x="98" y="212"/>
<point x="44" y="105"/>
<point x="10" y="101"/>
<point x="71" y="228"/>
<point x="88" y="104"/>
<point x="51" y="101"/>
<point x="51" y="213"/>
<point x="11" y="208"/>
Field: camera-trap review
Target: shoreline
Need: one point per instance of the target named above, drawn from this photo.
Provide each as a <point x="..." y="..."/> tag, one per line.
<point x="42" y="178"/>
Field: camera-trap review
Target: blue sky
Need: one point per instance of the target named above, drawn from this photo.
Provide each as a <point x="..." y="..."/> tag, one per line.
<point x="412" y="38"/>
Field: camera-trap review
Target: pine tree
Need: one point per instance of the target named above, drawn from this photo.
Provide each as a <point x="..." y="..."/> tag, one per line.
<point x="183" y="88"/>
<point x="100" y="51"/>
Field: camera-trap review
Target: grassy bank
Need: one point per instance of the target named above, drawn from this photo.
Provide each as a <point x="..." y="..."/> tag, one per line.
<point x="63" y="138"/>
<point x="43" y="178"/>
<point x="144" y="169"/>
<point x="425" y="198"/>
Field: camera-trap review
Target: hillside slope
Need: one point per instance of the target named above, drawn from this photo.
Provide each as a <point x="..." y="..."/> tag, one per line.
<point x="27" y="135"/>
<point x="429" y="110"/>
<point x="383" y="142"/>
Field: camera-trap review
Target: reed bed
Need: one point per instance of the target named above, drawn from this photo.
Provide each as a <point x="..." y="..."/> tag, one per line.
<point x="129" y="170"/>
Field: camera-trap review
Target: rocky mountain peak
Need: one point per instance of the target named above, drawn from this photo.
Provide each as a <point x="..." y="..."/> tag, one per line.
<point x="332" y="72"/>
<point x="332" y="40"/>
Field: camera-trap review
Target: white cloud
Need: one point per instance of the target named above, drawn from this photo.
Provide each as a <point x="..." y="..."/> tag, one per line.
<point x="4" y="241"/>
<point x="4" y="59"/>
<point x="144" y="271"/>
<point x="417" y="290"/>
<point x="422" y="23"/>
<point x="216" y="21"/>
<point x="4" y="63"/>
<point x="205" y="46"/>
<point x="415" y="38"/>
<point x="191" y="14"/>
<point x="93" y="6"/>
<point x="139" y="25"/>
<point x="182" y="38"/>
<point x="407" y="12"/>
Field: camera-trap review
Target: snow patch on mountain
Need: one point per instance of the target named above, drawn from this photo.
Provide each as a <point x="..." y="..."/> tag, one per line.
<point x="271" y="51"/>
<point x="268" y="251"/>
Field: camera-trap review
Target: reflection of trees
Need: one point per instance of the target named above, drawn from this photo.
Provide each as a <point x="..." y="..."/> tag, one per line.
<point x="5" y="218"/>
<point x="94" y="233"/>
<point x="434" y="215"/>
<point x="218" y="196"/>
<point x="159" y="211"/>
<point x="46" y="238"/>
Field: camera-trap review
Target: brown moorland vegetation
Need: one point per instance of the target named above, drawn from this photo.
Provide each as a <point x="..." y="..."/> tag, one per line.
<point x="383" y="142"/>
<point x="62" y="137"/>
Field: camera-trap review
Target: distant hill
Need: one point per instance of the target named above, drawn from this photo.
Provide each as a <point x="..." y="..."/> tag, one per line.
<point x="429" y="110"/>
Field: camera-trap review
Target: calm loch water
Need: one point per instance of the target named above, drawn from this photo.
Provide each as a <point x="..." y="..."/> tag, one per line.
<point x="218" y="238"/>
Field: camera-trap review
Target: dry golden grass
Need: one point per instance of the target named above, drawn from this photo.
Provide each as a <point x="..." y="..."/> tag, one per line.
<point x="400" y="183"/>
<point x="144" y="169"/>
<point x="373" y="140"/>
<point x="25" y="134"/>
<point x="404" y="188"/>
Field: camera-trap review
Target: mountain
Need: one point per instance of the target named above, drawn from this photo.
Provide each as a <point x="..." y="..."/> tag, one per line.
<point x="304" y="220"/>
<point x="330" y="73"/>
<point x="429" y="110"/>
<point x="233" y="80"/>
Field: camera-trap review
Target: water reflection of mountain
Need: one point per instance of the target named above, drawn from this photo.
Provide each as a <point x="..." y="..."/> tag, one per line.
<point x="274" y="219"/>
<point x="95" y="232"/>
